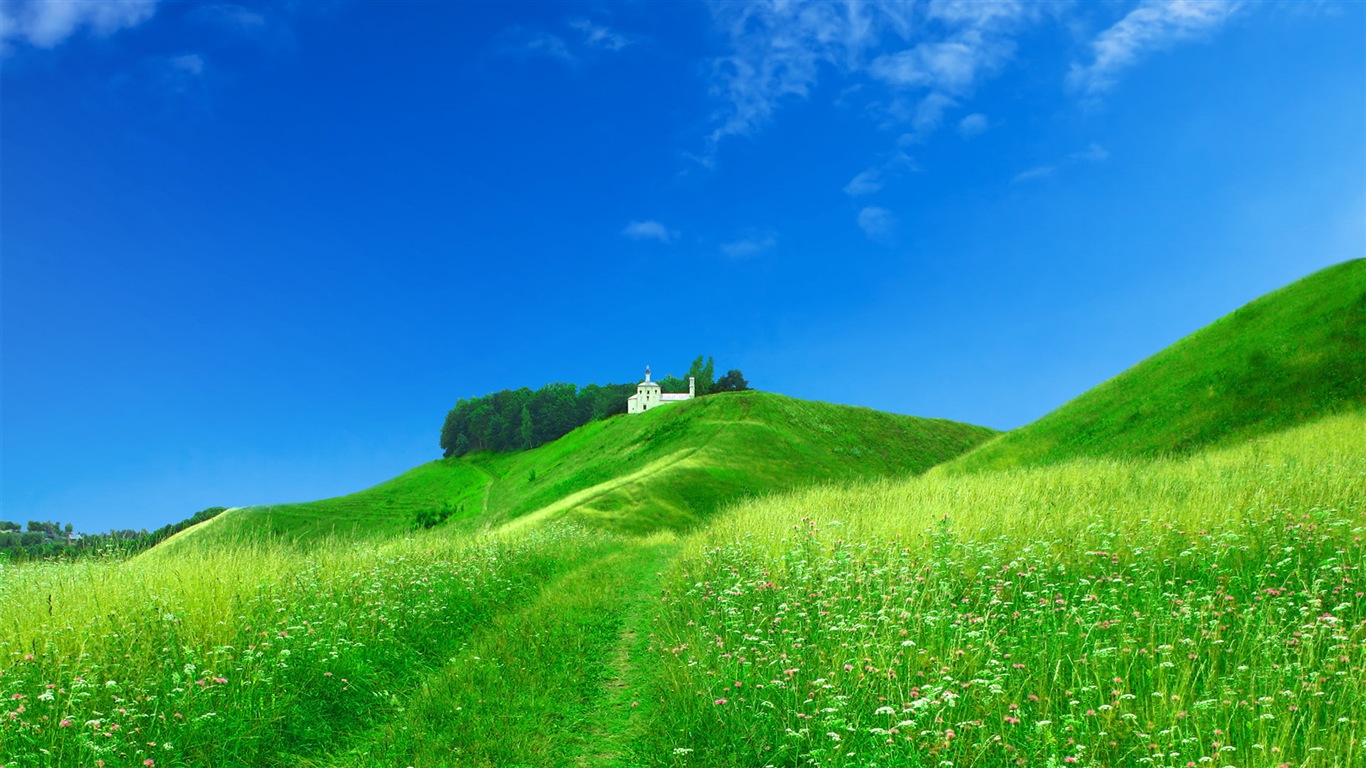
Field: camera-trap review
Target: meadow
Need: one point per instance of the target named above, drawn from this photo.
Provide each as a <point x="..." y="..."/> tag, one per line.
<point x="251" y="653"/>
<point x="1178" y="612"/>
<point x="1165" y="572"/>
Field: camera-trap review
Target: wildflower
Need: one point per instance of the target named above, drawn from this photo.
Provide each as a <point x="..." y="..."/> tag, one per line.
<point x="719" y="702"/>
<point x="65" y="723"/>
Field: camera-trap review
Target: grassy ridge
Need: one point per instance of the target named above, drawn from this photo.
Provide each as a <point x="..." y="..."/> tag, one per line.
<point x="1100" y="612"/>
<point x="671" y="467"/>
<point x="387" y="509"/>
<point x="664" y="469"/>
<point x="249" y="652"/>
<point x="1288" y="357"/>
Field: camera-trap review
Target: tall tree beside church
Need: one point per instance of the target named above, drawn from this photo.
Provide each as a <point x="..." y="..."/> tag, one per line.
<point x="704" y="372"/>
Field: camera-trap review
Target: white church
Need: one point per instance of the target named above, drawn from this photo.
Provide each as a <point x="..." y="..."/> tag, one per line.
<point x="648" y="395"/>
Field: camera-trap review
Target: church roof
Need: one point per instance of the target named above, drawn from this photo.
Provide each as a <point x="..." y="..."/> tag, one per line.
<point x="648" y="383"/>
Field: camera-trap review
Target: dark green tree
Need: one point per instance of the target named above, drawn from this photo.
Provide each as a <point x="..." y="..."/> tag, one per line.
<point x="704" y="374"/>
<point x="733" y="381"/>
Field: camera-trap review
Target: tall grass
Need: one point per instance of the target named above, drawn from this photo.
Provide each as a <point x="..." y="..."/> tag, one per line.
<point x="1171" y="613"/>
<point x="248" y="653"/>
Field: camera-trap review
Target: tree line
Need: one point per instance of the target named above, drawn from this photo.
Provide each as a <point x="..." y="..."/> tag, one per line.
<point x="41" y="539"/>
<point x="518" y="419"/>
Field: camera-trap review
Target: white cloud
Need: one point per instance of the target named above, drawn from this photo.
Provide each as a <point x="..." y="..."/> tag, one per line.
<point x="1094" y="153"/>
<point x="46" y="23"/>
<point x="599" y="36"/>
<point x="871" y="180"/>
<point x="1036" y="173"/>
<point x="876" y="223"/>
<point x="972" y="125"/>
<point x="866" y="183"/>
<point x="649" y="230"/>
<point x="187" y="63"/>
<point x="532" y="43"/>
<point x="230" y="15"/>
<point x="779" y="49"/>
<point x="1153" y="25"/>
<point x="749" y="246"/>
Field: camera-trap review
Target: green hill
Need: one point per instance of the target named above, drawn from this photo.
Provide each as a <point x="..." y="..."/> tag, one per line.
<point x="1289" y="357"/>
<point x="664" y="469"/>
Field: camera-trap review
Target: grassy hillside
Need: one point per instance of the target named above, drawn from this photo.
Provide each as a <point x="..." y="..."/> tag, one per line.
<point x="1182" y="611"/>
<point x="1288" y="357"/>
<point x="666" y="468"/>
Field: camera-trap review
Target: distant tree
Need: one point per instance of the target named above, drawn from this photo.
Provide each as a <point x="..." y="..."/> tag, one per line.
<point x="673" y="384"/>
<point x="733" y="381"/>
<point x="527" y="428"/>
<point x="6" y="525"/>
<point x="704" y="373"/>
<point x="462" y="445"/>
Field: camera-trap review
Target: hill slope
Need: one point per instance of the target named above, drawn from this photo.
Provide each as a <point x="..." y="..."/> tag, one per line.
<point x="666" y="468"/>
<point x="1288" y="357"/>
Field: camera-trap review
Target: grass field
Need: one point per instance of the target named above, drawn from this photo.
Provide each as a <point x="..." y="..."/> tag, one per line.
<point x="1292" y="355"/>
<point x="1206" y="610"/>
<point x="753" y="580"/>
<point x="665" y="469"/>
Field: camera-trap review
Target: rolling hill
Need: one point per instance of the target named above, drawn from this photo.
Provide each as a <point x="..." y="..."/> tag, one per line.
<point x="664" y="469"/>
<point x="1289" y="357"/>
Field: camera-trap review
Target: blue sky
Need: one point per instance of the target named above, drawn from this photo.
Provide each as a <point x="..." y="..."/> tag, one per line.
<point x="254" y="252"/>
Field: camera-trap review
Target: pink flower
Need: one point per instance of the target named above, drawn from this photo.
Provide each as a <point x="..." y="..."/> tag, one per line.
<point x="220" y="680"/>
<point x="65" y="723"/>
<point x="719" y="702"/>
<point x="149" y="762"/>
<point x="1069" y="759"/>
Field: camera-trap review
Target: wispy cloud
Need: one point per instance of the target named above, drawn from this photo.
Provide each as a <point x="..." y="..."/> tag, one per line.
<point x="521" y="42"/>
<point x="872" y="179"/>
<point x="47" y="23"/>
<point x="597" y="35"/>
<point x="972" y="125"/>
<point x="749" y="247"/>
<point x="230" y="15"/>
<point x="866" y="183"/>
<point x="1034" y="174"/>
<point x="1153" y="25"/>
<point x="1094" y="153"/>
<point x="584" y="39"/>
<point x="876" y="223"/>
<point x="940" y="52"/>
<point x="649" y="230"/>
<point x="180" y="74"/>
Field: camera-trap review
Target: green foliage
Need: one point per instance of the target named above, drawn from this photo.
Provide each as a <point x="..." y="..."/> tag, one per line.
<point x="54" y="540"/>
<point x="704" y="374"/>
<point x="513" y="420"/>
<point x="733" y="381"/>
<point x="1288" y="357"/>
<point x="431" y="518"/>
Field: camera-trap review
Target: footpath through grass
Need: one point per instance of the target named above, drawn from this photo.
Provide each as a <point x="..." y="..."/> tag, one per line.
<point x="550" y="685"/>
<point x="668" y="469"/>
<point x="251" y="653"/>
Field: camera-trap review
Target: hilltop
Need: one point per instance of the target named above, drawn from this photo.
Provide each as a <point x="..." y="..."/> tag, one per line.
<point x="664" y="469"/>
<point x="1286" y="358"/>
